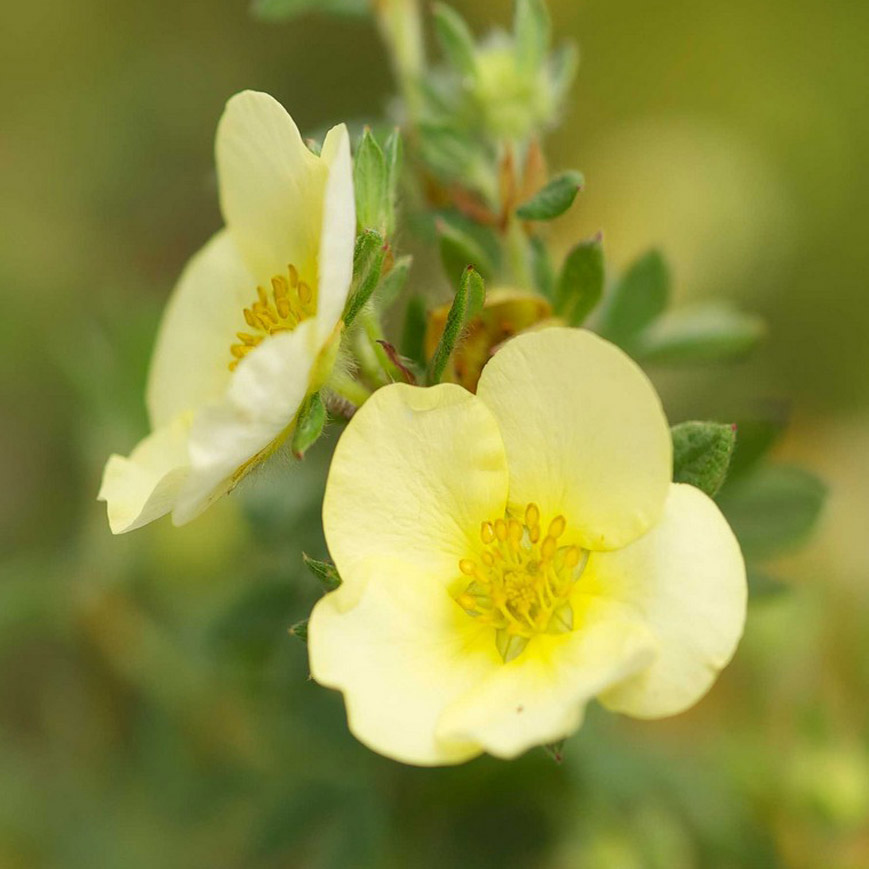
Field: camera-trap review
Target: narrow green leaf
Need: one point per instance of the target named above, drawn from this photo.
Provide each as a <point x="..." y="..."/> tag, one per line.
<point x="300" y="630"/>
<point x="309" y="426"/>
<point x="413" y="333"/>
<point x="638" y="298"/>
<point x="459" y="250"/>
<point x="773" y="509"/>
<point x="467" y="303"/>
<point x="370" y="180"/>
<point x="580" y="284"/>
<point x="367" y="265"/>
<point x="541" y="267"/>
<point x="554" y="199"/>
<point x="394" y="282"/>
<point x="393" y="155"/>
<point x="455" y="39"/>
<point x="701" y="454"/>
<point x="324" y="572"/>
<point x="532" y="27"/>
<point x="284" y="10"/>
<point x="705" y="333"/>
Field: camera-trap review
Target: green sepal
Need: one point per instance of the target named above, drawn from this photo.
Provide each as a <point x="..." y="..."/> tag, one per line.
<point x="553" y="199"/>
<point x="563" y="66"/>
<point x="413" y="332"/>
<point x="455" y="39"/>
<point x="371" y="184"/>
<point x="394" y="281"/>
<point x="309" y="425"/>
<point x="324" y="571"/>
<point x="300" y="630"/>
<point x="636" y="300"/>
<point x="541" y="267"/>
<point x="580" y="284"/>
<point x="468" y="302"/>
<point x="711" y="332"/>
<point x="702" y="453"/>
<point x="459" y="250"/>
<point x="773" y="509"/>
<point x="284" y="10"/>
<point x="533" y="31"/>
<point x="367" y="265"/>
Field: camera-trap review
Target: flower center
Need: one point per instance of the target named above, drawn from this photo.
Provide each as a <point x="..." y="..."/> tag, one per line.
<point x="521" y="583"/>
<point x="291" y="301"/>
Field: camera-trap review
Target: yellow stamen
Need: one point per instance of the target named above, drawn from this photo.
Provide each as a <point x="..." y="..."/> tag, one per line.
<point x="291" y="301"/>
<point x="520" y="586"/>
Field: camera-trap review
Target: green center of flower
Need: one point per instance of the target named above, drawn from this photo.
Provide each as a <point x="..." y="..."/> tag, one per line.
<point x="291" y="301"/>
<point x="522" y="581"/>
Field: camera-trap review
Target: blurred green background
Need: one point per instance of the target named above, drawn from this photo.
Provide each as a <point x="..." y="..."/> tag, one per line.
<point x="153" y="710"/>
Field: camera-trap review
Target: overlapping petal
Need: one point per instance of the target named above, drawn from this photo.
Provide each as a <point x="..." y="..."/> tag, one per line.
<point x="540" y="696"/>
<point x="271" y="186"/>
<point x="412" y="479"/>
<point x="144" y="486"/>
<point x="584" y="431"/>
<point x="399" y="656"/>
<point x="259" y="407"/>
<point x="338" y="234"/>
<point x="686" y="580"/>
<point x="190" y="365"/>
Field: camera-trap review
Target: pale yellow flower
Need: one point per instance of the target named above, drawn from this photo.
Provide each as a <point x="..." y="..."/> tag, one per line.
<point x="509" y="556"/>
<point x="254" y="323"/>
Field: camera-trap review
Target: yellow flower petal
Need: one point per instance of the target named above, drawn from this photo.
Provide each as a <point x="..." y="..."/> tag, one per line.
<point x="190" y="365"/>
<point x="585" y="433"/>
<point x="686" y="579"/>
<point x="399" y="656"/>
<point x="540" y="696"/>
<point x="271" y="186"/>
<point x="338" y="235"/>
<point x="259" y="406"/>
<point x="413" y="477"/>
<point x="139" y="489"/>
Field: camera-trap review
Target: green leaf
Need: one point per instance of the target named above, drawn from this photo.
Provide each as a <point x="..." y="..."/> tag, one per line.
<point x="459" y="250"/>
<point x="455" y="39"/>
<point x="637" y="299"/>
<point x="773" y="509"/>
<point x="705" y="333"/>
<point x="370" y="180"/>
<point x="393" y="155"/>
<point x="467" y="303"/>
<point x="413" y="332"/>
<point x="554" y="199"/>
<point x="701" y="454"/>
<point x="394" y="282"/>
<point x="532" y="26"/>
<point x="755" y="438"/>
<point x="762" y="585"/>
<point x="580" y="284"/>
<point x="324" y="571"/>
<point x="367" y="265"/>
<point x="300" y="630"/>
<point x="541" y="267"/>
<point x="309" y="426"/>
<point x="283" y="10"/>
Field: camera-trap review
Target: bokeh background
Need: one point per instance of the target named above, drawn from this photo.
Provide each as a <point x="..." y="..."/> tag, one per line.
<point x="153" y="710"/>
